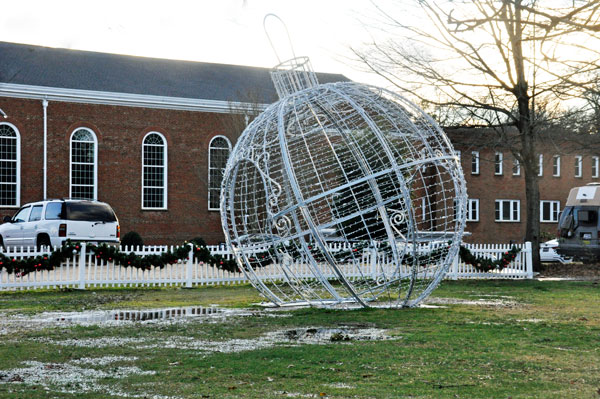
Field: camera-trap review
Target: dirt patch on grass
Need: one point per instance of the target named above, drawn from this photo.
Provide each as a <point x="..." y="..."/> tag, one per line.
<point x="310" y="335"/>
<point x="12" y="325"/>
<point x="500" y="302"/>
<point x="572" y="271"/>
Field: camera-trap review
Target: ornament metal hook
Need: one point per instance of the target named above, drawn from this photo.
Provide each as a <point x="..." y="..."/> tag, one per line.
<point x="271" y="41"/>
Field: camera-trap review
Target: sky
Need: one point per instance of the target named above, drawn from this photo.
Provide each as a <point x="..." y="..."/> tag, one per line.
<point x="221" y="31"/>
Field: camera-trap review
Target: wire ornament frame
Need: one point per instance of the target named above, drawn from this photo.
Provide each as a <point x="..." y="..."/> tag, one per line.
<point x="348" y="192"/>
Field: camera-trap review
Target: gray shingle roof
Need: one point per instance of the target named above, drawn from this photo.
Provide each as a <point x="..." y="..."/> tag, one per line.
<point x="86" y="70"/>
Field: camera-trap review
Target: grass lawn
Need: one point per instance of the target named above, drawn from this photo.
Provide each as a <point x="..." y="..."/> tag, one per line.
<point x="487" y="339"/>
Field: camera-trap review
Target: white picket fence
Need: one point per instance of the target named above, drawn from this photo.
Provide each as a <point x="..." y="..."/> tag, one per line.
<point x="83" y="270"/>
<point x="520" y="268"/>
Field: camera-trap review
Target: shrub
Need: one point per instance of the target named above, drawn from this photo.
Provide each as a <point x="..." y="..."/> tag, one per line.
<point x="198" y="241"/>
<point x="132" y="239"/>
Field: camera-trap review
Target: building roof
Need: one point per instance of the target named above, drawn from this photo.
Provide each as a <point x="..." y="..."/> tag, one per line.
<point x="92" y="71"/>
<point x="553" y="139"/>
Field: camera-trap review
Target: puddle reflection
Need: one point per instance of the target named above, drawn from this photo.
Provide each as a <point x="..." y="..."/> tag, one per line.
<point x="140" y="315"/>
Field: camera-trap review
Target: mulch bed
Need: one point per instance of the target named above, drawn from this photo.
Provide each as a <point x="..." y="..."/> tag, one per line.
<point x="578" y="270"/>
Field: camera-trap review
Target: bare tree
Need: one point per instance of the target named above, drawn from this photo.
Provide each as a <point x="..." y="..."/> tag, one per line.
<point x="493" y="62"/>
<point x="241" y="113"/>
<point x="592" y="96"/>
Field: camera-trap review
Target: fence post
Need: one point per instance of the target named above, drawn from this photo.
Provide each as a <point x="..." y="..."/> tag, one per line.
<point x="82" y="259"/>
<point x="190" y="267"/>
<point x="529" y="259"/>
<point x="454" y="270"/>
<point x="373" y="261"/>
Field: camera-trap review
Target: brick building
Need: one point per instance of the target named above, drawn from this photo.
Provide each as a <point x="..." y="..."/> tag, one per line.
<point x="149" y="136"/>
<point x="496" y="185"/>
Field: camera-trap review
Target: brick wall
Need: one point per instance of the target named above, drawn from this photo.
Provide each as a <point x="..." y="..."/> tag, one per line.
<point x="120" y="131"/>
<point x="488" y="187"/>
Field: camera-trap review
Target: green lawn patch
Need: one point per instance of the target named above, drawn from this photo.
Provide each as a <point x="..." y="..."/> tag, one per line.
<point x="487" y="339"/>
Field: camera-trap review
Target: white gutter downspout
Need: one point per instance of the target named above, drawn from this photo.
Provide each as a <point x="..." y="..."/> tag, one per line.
<point x="45" y="105"/>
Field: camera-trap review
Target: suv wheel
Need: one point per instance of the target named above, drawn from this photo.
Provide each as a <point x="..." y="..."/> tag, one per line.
<point x="43" y="241"/>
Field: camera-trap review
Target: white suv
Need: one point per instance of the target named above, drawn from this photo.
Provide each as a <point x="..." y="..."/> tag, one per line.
<point x="51" y="222"/>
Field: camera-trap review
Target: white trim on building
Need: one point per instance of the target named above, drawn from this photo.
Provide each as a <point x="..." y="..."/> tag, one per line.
<point x="163" y="168"/>
<point x="123" y="99"/>
<point x="578" y="165"/>
<point x="556" y="166"/>
<point x="17" y="160"/>
<point x="498" y="163"/>
<point x="549" y="211"/>
<point x="507" y="210"/>
<point x="94" y="185"/>
<point x="473" y="210"/>
<point x="214" y="203"/>
<point x="474" y="162"/>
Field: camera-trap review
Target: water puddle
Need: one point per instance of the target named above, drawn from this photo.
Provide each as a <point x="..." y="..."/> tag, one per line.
<point x="11" y="324"/>
<point x="138" y="315"/>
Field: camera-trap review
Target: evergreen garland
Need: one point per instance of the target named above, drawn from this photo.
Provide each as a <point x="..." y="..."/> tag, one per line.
<point x="485" y="264"/>
<point x="24" y="266"/>
<point x="201" y="253"/>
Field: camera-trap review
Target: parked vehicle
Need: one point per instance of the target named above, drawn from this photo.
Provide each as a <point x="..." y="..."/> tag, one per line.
<point x="51" y="222"/>
<point x="578" y="225"/>
<point x="548" y="253"/>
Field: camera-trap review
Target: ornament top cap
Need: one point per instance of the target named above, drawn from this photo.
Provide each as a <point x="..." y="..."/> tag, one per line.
<point x="292" y="76"/>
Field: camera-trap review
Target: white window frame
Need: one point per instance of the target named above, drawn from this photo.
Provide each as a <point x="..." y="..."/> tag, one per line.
<point x="578" y="164"/>
<point x="17" y="203"/>
<point x="209" y="166"/>
<point x="473" y="210"/>
<point x="498" y="161"/>
<point x="595" y="167"/>
<point x="554" y="211"/>
<point x="541" y="165"/>
<point x="515" y="207"/>
<point x="474" y="162"/>
<point x="516" y="167"/>
<point x="165" y="172"/>
<point x="556" y="166"/>
<point x="95" y="161"/>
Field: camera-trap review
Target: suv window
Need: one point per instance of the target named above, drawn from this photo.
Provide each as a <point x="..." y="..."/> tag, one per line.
<point x="54" y="210"/>
<point x="36" y="213"/>
<point x="89" y="211"/>
<point x="22" y="215"/>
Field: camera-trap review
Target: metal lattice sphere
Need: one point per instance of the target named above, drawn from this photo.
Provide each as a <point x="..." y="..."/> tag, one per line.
<point x="342" y="192"/>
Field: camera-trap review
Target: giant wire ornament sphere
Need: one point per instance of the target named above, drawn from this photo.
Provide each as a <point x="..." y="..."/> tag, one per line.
<point x="342" y="192"/>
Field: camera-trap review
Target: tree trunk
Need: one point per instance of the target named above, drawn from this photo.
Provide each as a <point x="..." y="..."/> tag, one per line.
<point x="532" y="194"/>
<point x="532" y="188"/>
<point x="526" y="132"/>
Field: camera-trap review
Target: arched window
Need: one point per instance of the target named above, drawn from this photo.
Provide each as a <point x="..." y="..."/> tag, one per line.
<point x="218" y="153"/>
<point x="154" y="171"/>
<point x="10" y="165"/>
<point x="84" y="164"/>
